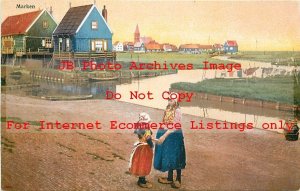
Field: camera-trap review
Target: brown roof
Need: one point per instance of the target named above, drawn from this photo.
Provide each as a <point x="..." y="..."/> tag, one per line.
<point x="205" y="46"/>
<point x="189" y="46"/>
<point x="128" y="43"/>
<point x="153" y="46"/>
<point x="18" y="24"/>
<point x="72" y="20"/>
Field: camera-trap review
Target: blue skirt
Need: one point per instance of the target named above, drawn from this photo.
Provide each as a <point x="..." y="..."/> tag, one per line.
<point x="170" y="155"/>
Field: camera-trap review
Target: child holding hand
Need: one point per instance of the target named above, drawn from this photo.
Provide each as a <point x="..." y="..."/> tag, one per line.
<point x="141" y="157"/>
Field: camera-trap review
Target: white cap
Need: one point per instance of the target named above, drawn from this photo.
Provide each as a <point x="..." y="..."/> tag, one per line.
<point x="144" y="117"/>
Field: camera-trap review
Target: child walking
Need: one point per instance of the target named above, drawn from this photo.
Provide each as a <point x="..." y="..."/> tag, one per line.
<point x="142" y="154"/>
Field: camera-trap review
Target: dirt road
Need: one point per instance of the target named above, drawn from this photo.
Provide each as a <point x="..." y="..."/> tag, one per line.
<point x="98" y="159"/>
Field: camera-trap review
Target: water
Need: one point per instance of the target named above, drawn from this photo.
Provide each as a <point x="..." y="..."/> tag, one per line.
<point x="201" y="108"/>
<point x="224" y="111"/>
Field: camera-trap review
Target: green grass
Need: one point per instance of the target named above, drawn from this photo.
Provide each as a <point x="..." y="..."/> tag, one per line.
<point x="276" y="89"/>
<point x="280" y="57"/>
<point x="195" y="59"/>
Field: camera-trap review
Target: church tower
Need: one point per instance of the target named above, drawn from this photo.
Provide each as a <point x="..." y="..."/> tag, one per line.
<point x="137" y="34"/>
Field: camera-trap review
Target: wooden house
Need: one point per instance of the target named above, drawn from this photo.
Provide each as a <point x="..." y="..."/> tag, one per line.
<point x="190" y="48"/>
<point x="170" y="47"/>
<point x="83" y="32"/>
<point x="205" y="48"/>
<point x="128" y="46"/>
<point x="218" y="48"/>
<point x="28" y="33"/>
<point x="139" y="47"/>
<point x="230" y="47"/>
<point x="118" y="46"/>
<point x="153" y="47"/>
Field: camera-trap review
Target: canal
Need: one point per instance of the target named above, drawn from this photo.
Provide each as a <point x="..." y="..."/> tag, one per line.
<point x="157" y="85"/>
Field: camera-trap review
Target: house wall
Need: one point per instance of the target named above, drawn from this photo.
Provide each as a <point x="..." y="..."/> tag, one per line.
<point x="230" y="49"/>
<point x="19" y="44"/>
<point x="84" y="36"/>
<point x="37" y="33"/>
<point x="63" y="46"/>
<point x="7" y="45"/>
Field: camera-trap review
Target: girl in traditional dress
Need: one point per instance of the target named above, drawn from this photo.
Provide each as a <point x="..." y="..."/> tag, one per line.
<point x="169" y="153"/>
<point x="142" y="154"/>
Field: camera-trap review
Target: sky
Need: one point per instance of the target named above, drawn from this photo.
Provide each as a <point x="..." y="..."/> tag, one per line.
<point x="255" y="25"/>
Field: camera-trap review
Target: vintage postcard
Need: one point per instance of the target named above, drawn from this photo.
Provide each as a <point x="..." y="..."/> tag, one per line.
<point x="150" y="95"/>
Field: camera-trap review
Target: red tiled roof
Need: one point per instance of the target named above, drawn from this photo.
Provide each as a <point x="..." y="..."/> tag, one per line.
<point x="153" y="46"/>
<point x="232" y="43"/>
<point x="18" y="24"/>
<point x="217" y="45"/>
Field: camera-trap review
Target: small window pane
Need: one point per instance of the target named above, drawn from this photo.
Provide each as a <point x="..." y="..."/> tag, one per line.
<point x="94" y="25"/>
<point x="45" y="24"/>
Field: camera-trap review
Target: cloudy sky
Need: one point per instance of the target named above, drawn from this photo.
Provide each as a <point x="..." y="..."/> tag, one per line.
<point x="273" y="25"/>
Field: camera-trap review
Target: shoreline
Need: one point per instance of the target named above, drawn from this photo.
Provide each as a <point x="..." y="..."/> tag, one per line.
<point x="195" y="118"/>
<point x="242" y="101"/>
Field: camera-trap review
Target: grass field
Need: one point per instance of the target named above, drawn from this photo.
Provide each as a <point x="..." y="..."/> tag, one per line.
<point x="195" y="59"/>
<point x="277" y="89"/>
<point x="279" y="57"/>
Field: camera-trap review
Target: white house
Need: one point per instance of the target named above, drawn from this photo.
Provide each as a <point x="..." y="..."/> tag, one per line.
<point x="118" y="46"/>
<point x="139" y="47"/>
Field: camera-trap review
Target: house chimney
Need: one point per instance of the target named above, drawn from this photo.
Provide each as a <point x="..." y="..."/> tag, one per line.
<point x="94" y="2"/>
<point x="51" y="12"/>
<point x="70" y="5"/>
<point x="104" y="13"/>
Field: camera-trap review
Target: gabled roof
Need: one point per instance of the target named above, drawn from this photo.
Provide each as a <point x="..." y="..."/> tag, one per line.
<point x="231" y="43"/>
<point x="19" y="24"/>
<point x="118" y="42"/>
<point x="169" y="46"/>
<point x="218" y="45"/>
<point x="138" y="44"/>
<point x="72" y="20"/>
<point x="128" y="43"/>
<point x="153" y="46"/>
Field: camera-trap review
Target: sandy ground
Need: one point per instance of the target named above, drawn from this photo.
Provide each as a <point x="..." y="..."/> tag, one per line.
<point x="98" y="159"/>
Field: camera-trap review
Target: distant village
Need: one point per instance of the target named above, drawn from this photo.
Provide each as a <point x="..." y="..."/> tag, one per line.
<point x="83" y="33"/>
<point x="142" y="44"/>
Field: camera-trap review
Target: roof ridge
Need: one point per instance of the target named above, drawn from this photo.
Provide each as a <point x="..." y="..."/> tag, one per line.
<point x="81" y="6"/>
<point x="25" y="13"/>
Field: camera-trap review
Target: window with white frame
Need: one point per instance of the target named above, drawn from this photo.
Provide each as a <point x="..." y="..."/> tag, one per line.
<point x="67" y="44"/>
<point x="45" y="24"/>
<point x="94" y="25"/>
<point x="48" y="43"/>
<point x="99" y="45"/>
